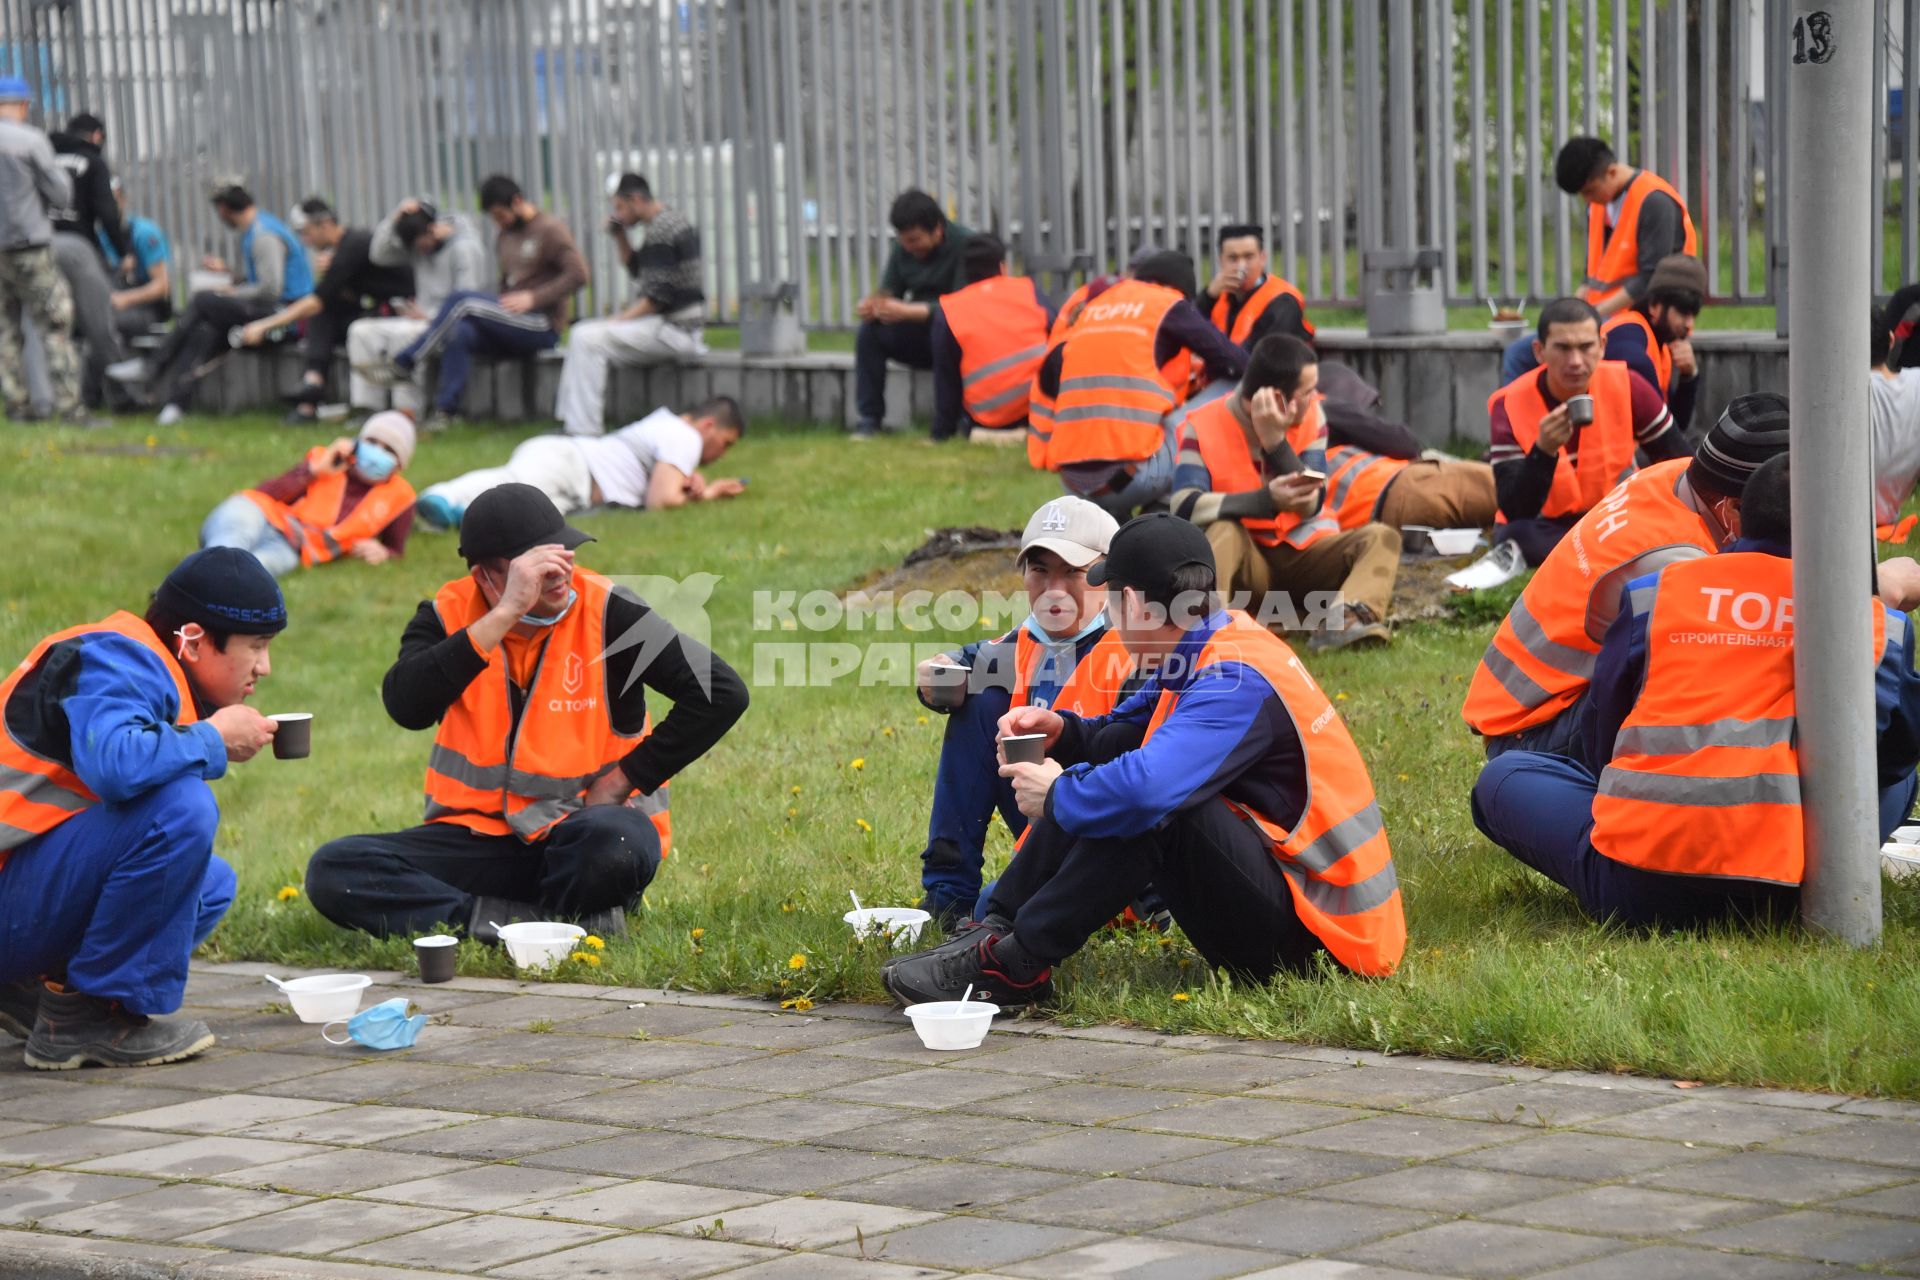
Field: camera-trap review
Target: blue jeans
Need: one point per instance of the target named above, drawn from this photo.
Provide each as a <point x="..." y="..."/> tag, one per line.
<point x="1517" y="359"/>
<point x="966" y="790"/>
<point x="238" y="523"/>
<point x="472" y="325"/>
<point x="117" y="897"/>
<point x="1560" y="736"/>
<point x="1539" y="808"/>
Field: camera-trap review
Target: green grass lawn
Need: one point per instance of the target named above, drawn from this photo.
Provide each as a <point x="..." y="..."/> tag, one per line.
<point x="821" y="790"/>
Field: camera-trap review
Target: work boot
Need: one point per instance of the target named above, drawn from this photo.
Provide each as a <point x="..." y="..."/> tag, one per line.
<point x="20" y="1007"/>
<point x="74" y="1029"/>
<point x="611" y="923"/>
<point x="999" y="970"/>
<point x="1362" y="629"/>
<point x="489" y="913"/>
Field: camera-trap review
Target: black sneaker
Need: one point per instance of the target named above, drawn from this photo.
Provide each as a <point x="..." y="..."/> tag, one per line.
<point x="20" y="1007"/>
<point x="963" y="937"/>
<point x="73" y="1030"/>
<point x="490" y="913"/>
<point x="998" y="969"/>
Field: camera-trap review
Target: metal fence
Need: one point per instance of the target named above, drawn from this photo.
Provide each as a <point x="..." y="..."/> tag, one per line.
<point x="1077" y="129"/>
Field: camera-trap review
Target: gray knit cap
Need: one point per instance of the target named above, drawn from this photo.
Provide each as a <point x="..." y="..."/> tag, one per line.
<point x="1752" y="429"/>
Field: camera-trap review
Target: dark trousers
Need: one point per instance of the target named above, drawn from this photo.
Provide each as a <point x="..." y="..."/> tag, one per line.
<point x="325" y="333"/>
<point x="1539" y="808"/>
<point x="1212" y="868"/>
<point x="909" y="344"/>
<point x="1560" y="736"/>
<point x="114" y="900"/>
<point x="966" y="790"/>
<point x="199" y="335"/>
<point x="1537" y="536"/>
<point x="470" y="326"/>
<point x="406" y="882"/>
<point x="136" y="322"/>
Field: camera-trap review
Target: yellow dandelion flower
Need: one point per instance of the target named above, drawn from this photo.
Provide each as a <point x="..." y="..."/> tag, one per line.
<point x="859" y="762"/>
<point x="576" y="955"/>
<point x="591" y="960"/>
<point x="864" y="825"/>
<point x="796" y="961"/>
<point x="799" y="1004"/>
<point x="887" y="732"/>
<point x="597" y="944"/>
<point x="698" y="933"/>
<point x="786" y="908"/>
<point x="153" y="442"/>
<point x="287" y="893"/>
<point x="1339" y="697"/>
<point x="920" y="720"/>
<point x="1181" y="997"/>
<point x="794" y="790"/>
<point x="1406" y="777"/>
<point x="792" y="812"/>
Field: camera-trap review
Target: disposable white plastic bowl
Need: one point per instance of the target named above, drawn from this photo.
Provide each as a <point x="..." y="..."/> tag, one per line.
<point x="946" y="1025"/>
<point x="903" y="924"/>
<point x="539" y="944"/>
<point x="1900" y="860"/>
<point x="1454" y="542"/>
<point x="326" y="997"/>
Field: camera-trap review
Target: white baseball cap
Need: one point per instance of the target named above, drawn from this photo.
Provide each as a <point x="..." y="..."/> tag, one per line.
<point x="1074" y="529"/>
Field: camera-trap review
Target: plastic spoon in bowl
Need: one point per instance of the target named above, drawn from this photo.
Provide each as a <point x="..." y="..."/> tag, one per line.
<point x="967" y="994"/>
<point x="856" y="900"/>
<point x="275" y="981"/>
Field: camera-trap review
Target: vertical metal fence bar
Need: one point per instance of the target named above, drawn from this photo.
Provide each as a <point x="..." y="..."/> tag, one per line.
<point x="1244" y="202"/>
<point x="1910" y="136"/>
<point x="1477" y="140"/>
<point x="1435" y="71"/>
<point x="1589" y="70"/>
<point x="1170" y="149"/>
<point x="942" y="94"/>
<point x="1207" y="18"/>
<point x="1190" y="35"/>
<point x="1503" y="75"/>
<point x="1313" y="147"/>
<point x="1649" y="86"/>
<point x="1531" y="155"/>
<point x="793" y="159"/>
<point x="1273" y="128"/>
<point x="983" y="114"/>
<point x="1622" y="128"/>
<point x="1122" y="189"/>
<point x="1003" y="124"/>
<point x="1739" y="162"/>
<point x="1709" y="202"/>
<point x="1562" y="247"/>
<point x="1679" y="117"/>
<point x="1337" y="188"/>
<point x="826" y="106"/>
<point x="745" y="162"/>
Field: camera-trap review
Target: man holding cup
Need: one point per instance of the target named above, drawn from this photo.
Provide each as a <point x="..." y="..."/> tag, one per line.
<point x="1561" y="438"/>
<point x="1064" y="654"/>
<point x="546" y="790"/>
<point x="1228" y="782"/>
<point x="107" y="874"/>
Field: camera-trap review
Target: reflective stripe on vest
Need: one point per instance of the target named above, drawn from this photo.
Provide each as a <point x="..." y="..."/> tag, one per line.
<point x="1336" y="857"/>
<point x="1112" y="397"/>
<point x="1604" y="447"/>
<point x="1657" y="353"/>
<point x="498" y="777"/>
<point x="1272" y="287"/>
<point x="1705" y="776"/>
<point x="314" y="526"/>
<point x="1001" y="330"/>
<point x="1614" y="260"/>
<point x="1232" y="468"/>
<point x="1356" y="480"/>
<point x="38" y="793"/>
<point x="1541" y="658"/>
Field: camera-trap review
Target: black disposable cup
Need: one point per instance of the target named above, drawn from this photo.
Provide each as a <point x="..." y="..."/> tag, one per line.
<point x="436" y="955"/>
<point x="1024" y="748"/>
<point x="947" y="686"/>
<point x="1580" y="410"/>
<point x="293" y="740"/>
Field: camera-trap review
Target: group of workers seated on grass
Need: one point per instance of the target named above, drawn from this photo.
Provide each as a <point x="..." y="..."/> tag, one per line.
<point x="1636" y="704"/>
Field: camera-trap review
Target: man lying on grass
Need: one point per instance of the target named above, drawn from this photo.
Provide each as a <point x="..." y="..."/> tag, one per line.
<point x="107" y="875"/>
<point x="1228" y="782"/>
<point x="536" y="671"/>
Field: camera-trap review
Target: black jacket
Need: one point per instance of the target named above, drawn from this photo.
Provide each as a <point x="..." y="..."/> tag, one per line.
<point x="93" y="205"/>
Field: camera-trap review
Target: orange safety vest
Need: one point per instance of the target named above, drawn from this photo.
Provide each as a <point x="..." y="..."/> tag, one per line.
<point x="1355" y="481"/>
<point x="37" y="794"/>
<point x="1092" y="689"/>
<point x="1541" y="658"/>
<point x="314" y="524"/>
<point x="1002" y="332"/>
<point x="1656" y="349"/>
<point x="1069" y="312"/>
<point x="1604" y="447"/>
<point x="1232" y="468"/>
<point x="1614" y="260"/>
<point x="488" y="776"/>
<point x="1256" y="306"/>
<point x="1705" y="776"/>
<point x="1112" y="397"/>
<point x="1336" y="859"/>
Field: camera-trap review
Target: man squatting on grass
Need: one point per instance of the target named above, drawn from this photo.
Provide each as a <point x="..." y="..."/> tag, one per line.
<point x="546" y="791"/>
<point x="1228" y="782"/>
<point x="107" y="875"/>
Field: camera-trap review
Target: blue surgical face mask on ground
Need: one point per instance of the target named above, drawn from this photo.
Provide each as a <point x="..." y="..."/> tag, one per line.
<point x="384" y="1026"/>
<point x="374" y="461"/>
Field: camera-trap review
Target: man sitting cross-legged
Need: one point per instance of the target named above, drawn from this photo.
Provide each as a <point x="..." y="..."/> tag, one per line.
<point x="1228" y="782"/>
<point x="546" y="788"/>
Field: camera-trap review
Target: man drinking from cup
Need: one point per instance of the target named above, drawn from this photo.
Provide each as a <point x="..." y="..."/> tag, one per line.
<point x="546" y="791"/>
<point x="1064" y="654"/>
<point x="1228" y="782"/>
<point x="1563" y="437"/>
<point x="107" y="874"/>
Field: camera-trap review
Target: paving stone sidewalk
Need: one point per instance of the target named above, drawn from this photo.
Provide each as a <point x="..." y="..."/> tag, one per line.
<point x="551" y="1131"/>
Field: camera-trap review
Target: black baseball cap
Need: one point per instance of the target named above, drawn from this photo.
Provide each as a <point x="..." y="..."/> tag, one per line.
<point x="1148" y="550"/>
<point x="510" y="519"/>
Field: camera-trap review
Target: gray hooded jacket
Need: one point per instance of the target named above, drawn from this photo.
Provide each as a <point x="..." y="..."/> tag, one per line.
<point x="461" y="262"/>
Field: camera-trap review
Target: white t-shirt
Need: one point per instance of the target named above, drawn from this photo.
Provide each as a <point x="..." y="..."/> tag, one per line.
<point x="622" y="461"/>
<point x="1894" y="405"/>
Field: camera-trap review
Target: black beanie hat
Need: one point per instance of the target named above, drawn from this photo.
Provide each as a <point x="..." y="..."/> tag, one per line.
<point x="1752" y="429"/>
<point x="224" y="589"/>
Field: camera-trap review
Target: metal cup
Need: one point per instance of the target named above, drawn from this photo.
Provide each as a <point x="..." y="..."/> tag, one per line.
<point x="1024" y="748"/>
<point x="293" y="740"/>
<point x="1580" y="410"/>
